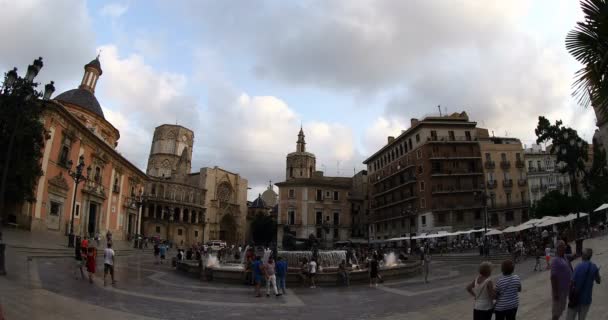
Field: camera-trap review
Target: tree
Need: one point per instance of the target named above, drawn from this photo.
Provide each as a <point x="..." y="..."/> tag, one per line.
<point x="263" y="229"/>
<point x="555" y="203"/>
<point x="588" y="43"/>
<point x="22" y="136"/>
<point x="596" y="179"/>
<point x="570" y="149"/>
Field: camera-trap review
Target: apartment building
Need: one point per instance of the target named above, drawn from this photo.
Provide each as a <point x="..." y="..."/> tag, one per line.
<point x="506" y="183"/>
<point x="544" y="174"/>
<point x="429" y="178"/>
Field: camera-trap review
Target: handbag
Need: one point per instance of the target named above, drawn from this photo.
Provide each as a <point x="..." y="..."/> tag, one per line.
<point x="573" y="295"/>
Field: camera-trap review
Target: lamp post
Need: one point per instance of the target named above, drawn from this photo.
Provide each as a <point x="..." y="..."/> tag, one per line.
<point x="483" y="197"/>
<point x="78" y="177"/>
<point x="139" y="202"/>
<point x="19" y="91"/>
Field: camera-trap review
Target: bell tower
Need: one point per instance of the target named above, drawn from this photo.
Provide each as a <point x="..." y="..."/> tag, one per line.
<point x="92" y="71"/>
<point x="300" y="164"/>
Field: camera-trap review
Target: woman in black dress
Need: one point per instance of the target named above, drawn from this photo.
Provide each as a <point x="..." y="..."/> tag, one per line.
<point x="373" y="271"/>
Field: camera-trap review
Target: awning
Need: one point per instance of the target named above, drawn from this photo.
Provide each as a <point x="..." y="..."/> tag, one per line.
<point x="493" y="232"/>
<point x="510" y="229"/>
<point x="602" y="207"/>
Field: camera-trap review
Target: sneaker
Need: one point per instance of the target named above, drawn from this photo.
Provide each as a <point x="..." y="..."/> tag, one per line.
<point x="278" y="295"/>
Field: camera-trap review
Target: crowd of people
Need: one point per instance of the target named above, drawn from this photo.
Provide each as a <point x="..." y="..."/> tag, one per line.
<point x="571" y="288"/>
<point x="85" y="254"/>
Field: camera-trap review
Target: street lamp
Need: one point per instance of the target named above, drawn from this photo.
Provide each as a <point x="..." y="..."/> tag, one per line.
<point x="139" y="202"/>
<point x="33" y="69"/>
<point x="481" y="195"/>
<point x="78" y="177"/>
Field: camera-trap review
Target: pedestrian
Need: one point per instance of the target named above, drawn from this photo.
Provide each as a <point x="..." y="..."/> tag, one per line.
<point x="84" y="243"/>
<point x="91" y="255"/>
<point x="482" y="289"/>
<point x="548" y="257"/>
<point x="163" y="252"/>
<point x="561" y="273"/>
<point x="373" y="271"/>
<point x="426" y="264"/>
<point x="343" y="273"/>
<point x="508" y="287"/>
<point x="281" y="266"/>
<point x="257" y="275"/>
<point x="97" y="238"/>
<point x="80" y="258"/>
<point x="537" y="254"/>
<point x="108" y="263"/>
<point x="582" y="287"/>
<point x="304" y="271"/>
<point x="109" y="236"/>
<point x="312" y="272"/>
<point x="156" y="253"/>
<point x="271" y="278"/>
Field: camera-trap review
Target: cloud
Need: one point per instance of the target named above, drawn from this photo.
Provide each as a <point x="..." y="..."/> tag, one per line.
<point x="58" y="31"/>
<point x="114" y="10"/>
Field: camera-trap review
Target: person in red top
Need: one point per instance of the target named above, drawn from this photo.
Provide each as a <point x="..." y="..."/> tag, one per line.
<point x="84" y="243"/>
<point x="91" y="263"/>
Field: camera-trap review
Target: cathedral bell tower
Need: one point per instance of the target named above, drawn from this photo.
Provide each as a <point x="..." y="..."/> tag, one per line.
<point x="92" y="71"/>
<point x="300" y="164"/>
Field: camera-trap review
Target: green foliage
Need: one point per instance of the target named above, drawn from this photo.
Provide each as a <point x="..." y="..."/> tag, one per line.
<point x="570" y="149"/>
<point x="588" y="43"/>
<point x="555" y="203"/>
<point x="21" y="140"/>
<point x="263" y="229"/>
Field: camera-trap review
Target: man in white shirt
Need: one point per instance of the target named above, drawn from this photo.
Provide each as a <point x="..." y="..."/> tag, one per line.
<point x="312" y="272"/>
<point x="108" y="263"/>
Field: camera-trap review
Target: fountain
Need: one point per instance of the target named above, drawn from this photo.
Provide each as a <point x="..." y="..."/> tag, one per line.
<point x="390" y="260"/>
<point x="328" y="260"/>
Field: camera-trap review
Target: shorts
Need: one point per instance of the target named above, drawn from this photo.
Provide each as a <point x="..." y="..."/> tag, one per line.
<point x="258" y="279"/>
<point x="559" y="306"/>
<point x="312" y="275"/>
<point x="108" y="268"/>
<point x="547" y="258"/>
<point x="162" y="257"/>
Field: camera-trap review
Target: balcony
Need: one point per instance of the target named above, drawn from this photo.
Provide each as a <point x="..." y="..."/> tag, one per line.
<point x="453" y="156"/>
<point x="451" y="205"/>
<point x="489" y="164"/>
<point x="536" y="170"/>
<point x="535" y="189"/>
<point x="400" y="185"/>
<point x="444" y="139"/>
<point x="455" y="172"/>
<point x="386" y="204"/>
<point x="519" y="164"/>
<point x="491" y="184"/>
<point x="507" y="183"/>
<point x="522" y="182"/>
<point x="453" y="189"/>
<point x="508" y="206"/>
<point x="505" y="165"/>
<point x="94" y="188"/>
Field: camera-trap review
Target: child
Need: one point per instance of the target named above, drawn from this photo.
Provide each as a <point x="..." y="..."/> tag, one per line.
<point x="91" y="254"/>
<point x="548" y="257"/>
<point x="537" y="266"/>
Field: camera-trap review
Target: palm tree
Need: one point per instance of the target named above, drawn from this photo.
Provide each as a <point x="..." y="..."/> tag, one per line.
<point x="588" y="43"/>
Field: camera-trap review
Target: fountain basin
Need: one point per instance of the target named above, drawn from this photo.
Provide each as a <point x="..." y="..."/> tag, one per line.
<point x="236" y="275"/>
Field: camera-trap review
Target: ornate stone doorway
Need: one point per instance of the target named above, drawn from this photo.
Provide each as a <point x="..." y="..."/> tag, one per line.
<point x="228" y="229"/>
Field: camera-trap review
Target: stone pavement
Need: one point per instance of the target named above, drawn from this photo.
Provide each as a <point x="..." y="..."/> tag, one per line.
<point x="46" y="288"/>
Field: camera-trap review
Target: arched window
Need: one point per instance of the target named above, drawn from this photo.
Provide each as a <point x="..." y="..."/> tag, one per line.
<point x="291" y="172"/>
<point x="153" y="191"/>
<point x="63" y="157"/>
<point x="97" y="174"/>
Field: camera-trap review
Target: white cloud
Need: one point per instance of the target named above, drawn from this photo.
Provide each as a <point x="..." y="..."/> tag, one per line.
<point x="376" y="134"/>
<point x="114" y="10"/>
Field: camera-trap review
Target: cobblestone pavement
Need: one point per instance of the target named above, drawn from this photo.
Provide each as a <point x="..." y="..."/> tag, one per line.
<point x="45" y="288"/>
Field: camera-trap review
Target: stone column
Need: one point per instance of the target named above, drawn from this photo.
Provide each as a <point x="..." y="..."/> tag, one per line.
<point x="196" y="217"/>
<point x="181" y="214"/>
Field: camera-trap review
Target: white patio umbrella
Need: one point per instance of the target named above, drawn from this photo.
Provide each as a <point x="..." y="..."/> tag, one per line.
<point x="602" y="207"/>
<point x="493" y="232"/>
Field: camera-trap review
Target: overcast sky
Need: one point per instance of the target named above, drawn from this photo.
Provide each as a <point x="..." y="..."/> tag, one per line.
<point x="244" y="75"/>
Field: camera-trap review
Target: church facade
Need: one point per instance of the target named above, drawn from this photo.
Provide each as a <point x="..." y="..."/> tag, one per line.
<point x="311" y="203"/>
<point x="191" y="207"/>
<point x="77" y="129"/>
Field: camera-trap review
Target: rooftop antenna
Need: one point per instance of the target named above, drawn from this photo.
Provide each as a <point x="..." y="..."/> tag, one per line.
<point x="445" y="110"/>
<point x="439" y="107"/>
<point x="98" y="54"/>
<point x="492" y="133"/>
<point x="338" y="168"/>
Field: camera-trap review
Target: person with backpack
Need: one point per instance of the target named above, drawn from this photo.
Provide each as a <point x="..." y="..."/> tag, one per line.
<point x="482" y="289"/>
<point x="581" y="289"/>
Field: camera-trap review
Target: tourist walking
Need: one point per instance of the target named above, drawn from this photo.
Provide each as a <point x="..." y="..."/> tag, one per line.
<point x="343" y="273"/>
<point x="508" y="287"/>
<point x="373" y="271"/>
<point x="482" y="289"/>
<point x="281" y="266"/>
<point x="582" y="286"/>
<point x="163" y="252"/>
<point x="91" y="255"/>
<point x="108" y="263"/>
<point x="156" y="253"/>
<point x="426" y="264"/>
<point x="256" y="267"/>
<point x="312" y="272"/>
<point x="271" y="278"/>
<point x="561" y="273"/>
<point x="548" y="256"/>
